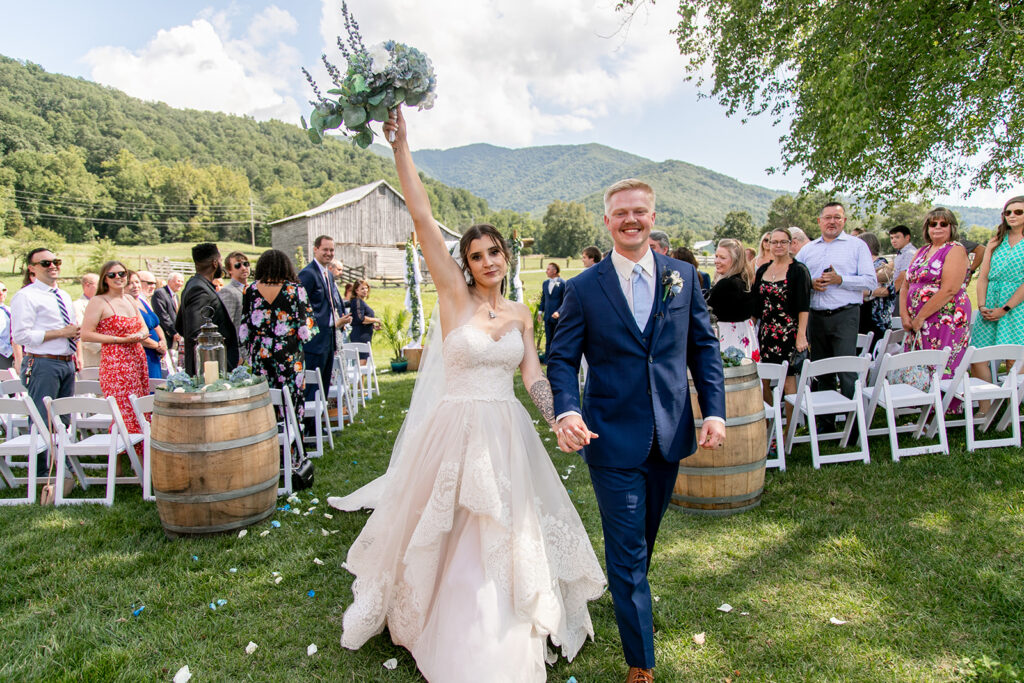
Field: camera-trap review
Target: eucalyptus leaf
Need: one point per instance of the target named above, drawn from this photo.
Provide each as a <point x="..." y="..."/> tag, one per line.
<point x="359" y="83"/>
<point x="316" y="119"/>
<point x="414" y="98"/>
<point x="304" y="126"/>
<point x="379" y="113"/>
<point x="335" y="91"/>
<point x="364" y="139"/>
<point x="399" y="95"/>
<point x="378" y="98"/>
<point x="333" y="121"/>
<point x="354" y="116"/>
<point x="314" y="137"/>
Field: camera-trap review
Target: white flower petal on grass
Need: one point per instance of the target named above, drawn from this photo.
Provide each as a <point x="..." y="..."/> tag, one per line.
<point x="183" y="675"/>
<point x="242" y="533"/>
<point x="699" y="638"/>
<point x="250" y="648"/>
<point x="311" y="650"/>
<point x="324" y="532"/>
<point x="328" y="515"/>
<point x="279" y="579"/>
<point x="657" y="598"/>
<point x="836" y="622"/>
<point x="317" y="560"/>
<point x="391" y="664"/>
<point x="725" y="607"/>
<point x="265" y="533"/>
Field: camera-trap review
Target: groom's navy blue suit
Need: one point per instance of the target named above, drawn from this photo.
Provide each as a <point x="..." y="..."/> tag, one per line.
<point x="637" y="400"/>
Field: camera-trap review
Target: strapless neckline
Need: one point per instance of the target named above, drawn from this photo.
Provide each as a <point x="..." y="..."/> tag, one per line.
<point x="483" y="332"/>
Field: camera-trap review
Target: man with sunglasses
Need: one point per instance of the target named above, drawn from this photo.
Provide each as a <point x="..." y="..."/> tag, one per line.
<point x="237" y="265"/>
<point x="44" y="323"/>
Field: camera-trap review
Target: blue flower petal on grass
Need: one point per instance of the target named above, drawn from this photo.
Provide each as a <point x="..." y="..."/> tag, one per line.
<point x="138" y="611"/>
<point x="276" y="524"/>
<point x="311" y="593"/>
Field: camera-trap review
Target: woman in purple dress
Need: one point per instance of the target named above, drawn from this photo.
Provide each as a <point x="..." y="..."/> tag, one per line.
<point x="934" y="307"/>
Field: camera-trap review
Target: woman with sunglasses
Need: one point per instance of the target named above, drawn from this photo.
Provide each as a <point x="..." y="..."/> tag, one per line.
<point x="934" y="307"/>
<point x="113" y="320"/>
<point x="1001" y="286"/>
<point x="764" y="251"/>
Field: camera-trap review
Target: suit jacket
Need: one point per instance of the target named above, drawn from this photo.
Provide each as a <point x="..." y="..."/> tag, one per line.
<point x="163" y="305"/>
<point x="550" y="302"/>
<point x="320" y="299"/>
<point x="636" y="386"/>
<point x="198" y="294"/>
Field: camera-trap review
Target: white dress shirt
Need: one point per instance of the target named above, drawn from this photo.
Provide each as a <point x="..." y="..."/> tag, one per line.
<point x="35" y="312"/>
<point x="851" y="259"/>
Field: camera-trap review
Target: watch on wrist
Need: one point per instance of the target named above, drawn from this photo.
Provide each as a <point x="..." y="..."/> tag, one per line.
<point x="1006" y="309"/>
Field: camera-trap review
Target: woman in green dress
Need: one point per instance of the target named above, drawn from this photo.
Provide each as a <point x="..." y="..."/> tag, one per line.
<point x="1001" y="286"/>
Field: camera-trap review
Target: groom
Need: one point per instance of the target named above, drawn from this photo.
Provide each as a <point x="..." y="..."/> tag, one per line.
<point x="636" y="399"/>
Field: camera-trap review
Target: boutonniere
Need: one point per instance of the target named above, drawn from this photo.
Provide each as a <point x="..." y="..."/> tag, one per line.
<point x="671" y="284"/>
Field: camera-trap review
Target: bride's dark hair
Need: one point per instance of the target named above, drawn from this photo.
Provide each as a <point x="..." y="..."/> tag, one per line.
<point x="475" y="232"/>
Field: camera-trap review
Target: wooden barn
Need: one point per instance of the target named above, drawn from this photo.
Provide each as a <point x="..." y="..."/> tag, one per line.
<point x="367" y="223"/>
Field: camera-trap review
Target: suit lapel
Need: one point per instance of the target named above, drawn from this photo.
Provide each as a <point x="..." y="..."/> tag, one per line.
<point x="660" y="304"/>
<point x="609" y="281"/>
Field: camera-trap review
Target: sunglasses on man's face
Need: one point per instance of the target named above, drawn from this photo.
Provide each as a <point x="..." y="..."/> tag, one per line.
<point x="938" y="224"/>
<point x="46" y="263"/>
<point x="1015" y="212"/>
<point x="114" y="276"/>
<point x="241" y="264"/>
<point x="148" y="282"/>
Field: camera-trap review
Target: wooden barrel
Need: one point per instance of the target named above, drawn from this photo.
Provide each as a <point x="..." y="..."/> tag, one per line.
<point x="215" y="459"/>
<point x="729" y="479"/>
<point x="413" y="356"/>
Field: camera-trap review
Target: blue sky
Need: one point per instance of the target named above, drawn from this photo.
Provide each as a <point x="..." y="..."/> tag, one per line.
<point x="510" y="72"/>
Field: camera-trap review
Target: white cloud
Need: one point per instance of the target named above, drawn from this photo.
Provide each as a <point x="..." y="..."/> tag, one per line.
<point x="510" y="71"/>
<point x="200" y="66"/>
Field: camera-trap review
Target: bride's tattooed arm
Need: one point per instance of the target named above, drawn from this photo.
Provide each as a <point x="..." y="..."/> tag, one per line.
<point x="540" y="392"/>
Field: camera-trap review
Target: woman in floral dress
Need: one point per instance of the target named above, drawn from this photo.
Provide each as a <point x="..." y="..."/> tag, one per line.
<point x="112" y="319"/>
<point x="934" y="307"/>
<point x="276" y="320"/>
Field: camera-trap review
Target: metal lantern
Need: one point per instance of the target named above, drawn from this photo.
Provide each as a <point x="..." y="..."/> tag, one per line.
<point x="211" y="356"/>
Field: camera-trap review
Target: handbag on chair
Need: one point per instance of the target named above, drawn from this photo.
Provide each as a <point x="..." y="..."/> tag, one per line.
<point x="302" y="475"/>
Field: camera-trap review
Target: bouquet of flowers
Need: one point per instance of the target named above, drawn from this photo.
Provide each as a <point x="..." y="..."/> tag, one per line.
<point x="376" y="81"/>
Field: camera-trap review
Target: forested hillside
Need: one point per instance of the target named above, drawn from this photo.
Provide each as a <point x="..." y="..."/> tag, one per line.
<point x="88" y="161"/>
<point x="529" y="179"/>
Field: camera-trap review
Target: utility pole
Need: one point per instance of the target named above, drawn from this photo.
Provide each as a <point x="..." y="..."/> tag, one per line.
<point x="252" y="222"/>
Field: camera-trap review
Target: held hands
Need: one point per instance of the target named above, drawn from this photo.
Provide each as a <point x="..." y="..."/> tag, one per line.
<point x="712" y="434"/>
<point x="71" y="331"/>
<point x="572" y="433"/>
<point x="991" y="314"/>
<point x="828" y="278"/>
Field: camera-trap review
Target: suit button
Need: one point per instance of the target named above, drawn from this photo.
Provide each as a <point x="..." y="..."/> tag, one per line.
<point x="650" y="359"/>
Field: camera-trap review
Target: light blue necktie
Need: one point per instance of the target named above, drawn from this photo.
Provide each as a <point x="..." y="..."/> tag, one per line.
<point x="641" y="298"/>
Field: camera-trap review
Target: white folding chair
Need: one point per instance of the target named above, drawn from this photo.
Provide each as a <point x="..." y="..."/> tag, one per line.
<point x="96" y="423"/>
<point x="354" y="376"/>
<point x="809" y="404"/>
<point x="316" y="409"/>
<point x="71" y="449"/>
<point x="8" y="373"/>
<point x="143" y="406"/>
<point x="969" y="390"/>
<point x="88" y="387"/>
<point x="288" y="436"/>
<point x="369" y="369"/>
<point x="775" y="374"/>
<point x="28" y="446"/>
<point x="896" y="396"/>
<point x="339" y="391"/>
<point x="89" y="373"/>
<point x="864" y="343"/>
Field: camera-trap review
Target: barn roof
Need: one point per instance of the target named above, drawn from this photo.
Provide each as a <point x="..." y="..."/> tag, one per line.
<point x="351" y="197"/>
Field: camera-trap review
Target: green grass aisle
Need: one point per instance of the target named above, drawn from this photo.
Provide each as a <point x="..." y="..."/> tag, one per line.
<point x="921" y="559"/>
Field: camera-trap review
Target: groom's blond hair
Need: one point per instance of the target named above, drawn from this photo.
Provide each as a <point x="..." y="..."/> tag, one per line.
<point x="627" y="184"/>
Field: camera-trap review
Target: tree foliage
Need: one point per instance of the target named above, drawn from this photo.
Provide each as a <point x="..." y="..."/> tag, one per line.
<point x="738" y="225"/>
<point x="568" y="228"/>
<point x="886" y="100"/>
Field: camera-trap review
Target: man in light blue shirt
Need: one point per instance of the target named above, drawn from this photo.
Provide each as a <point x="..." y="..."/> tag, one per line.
<point x="6" y="331"/>
<point x="841" y="269"/>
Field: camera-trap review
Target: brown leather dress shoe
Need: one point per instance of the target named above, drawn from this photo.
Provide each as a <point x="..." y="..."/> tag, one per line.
<point x="638" y="675"/>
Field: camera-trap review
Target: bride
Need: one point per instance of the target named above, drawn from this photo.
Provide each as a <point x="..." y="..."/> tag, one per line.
<point x="474" y="557"/>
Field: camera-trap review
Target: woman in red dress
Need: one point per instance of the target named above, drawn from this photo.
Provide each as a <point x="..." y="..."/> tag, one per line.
<point x="113" y="320"/>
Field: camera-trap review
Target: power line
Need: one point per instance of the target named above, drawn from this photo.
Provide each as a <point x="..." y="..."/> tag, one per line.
<point x="31" y="203"/>
<point x="118" y="221"/>
<point x="141" y="205"/>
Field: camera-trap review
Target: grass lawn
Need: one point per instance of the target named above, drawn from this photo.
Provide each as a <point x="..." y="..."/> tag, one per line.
<point x="922" y="559"/>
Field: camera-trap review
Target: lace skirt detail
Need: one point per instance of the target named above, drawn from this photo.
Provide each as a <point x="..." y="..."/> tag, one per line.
<point x="478" y="556"/>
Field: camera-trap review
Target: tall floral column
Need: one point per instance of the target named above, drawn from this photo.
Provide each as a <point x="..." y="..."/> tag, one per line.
<point x="515" y="290"/>
<point x="413" y="302"/>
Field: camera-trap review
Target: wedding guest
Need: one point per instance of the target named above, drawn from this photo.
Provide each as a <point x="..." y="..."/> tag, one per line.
<point x="6" y="331"/>
<point x="750" y="255"/>
<point x="684" y="254"/>
<point x="799" y="240"/>
<point x="783" y="290"/>
<point x="590" y="256"/>
<point x="218" y="284"/>
<point x="237" y="265"/>
<point x="899" y="237"/>
<point x="1001" y="286"/>
<point x="154" y="345"/>
<point x="659" y="241"/>
<point x="328" y="310"/>
<point x="764" y="253"/>
<point x="276" y="320"/>
<point x="113" y="320"/>
<point x="165" y="305"/>
<point x="551" y="294"/>
<point x="363" y="321"/>
<point x="934" y="307"/>
<point x="89" y="353"/>
<point x="975" y="255"/>
<point x="732" y="301"/>
<point x="346" y="298"/>
<point x="876" y="309"/>
<point x="199" y="300"/>
<point x="841" y="269"/>
<point x="44" y="325"/>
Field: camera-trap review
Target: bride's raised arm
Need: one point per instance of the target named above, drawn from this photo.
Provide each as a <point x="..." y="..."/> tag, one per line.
<point x="445" y="272"/>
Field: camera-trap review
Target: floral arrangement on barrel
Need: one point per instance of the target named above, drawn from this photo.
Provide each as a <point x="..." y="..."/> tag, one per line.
<point x="181" y="382"/>
<point x="376" y="81"/>
<point x="393" y="325"/>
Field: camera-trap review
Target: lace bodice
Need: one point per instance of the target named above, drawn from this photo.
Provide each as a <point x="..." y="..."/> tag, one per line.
<point x="479" y="368"/>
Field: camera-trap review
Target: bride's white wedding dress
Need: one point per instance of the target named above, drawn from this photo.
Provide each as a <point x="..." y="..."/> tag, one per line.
<point x="474" y="556"/>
